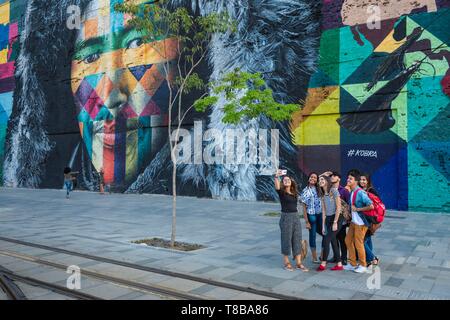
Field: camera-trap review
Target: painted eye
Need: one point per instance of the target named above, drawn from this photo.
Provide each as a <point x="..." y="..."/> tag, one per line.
<point x="91" y="58"/>
<point x="135" y="43"/>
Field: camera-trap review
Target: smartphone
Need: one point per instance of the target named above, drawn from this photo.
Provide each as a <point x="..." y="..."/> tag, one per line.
<point x="282" y="172"/>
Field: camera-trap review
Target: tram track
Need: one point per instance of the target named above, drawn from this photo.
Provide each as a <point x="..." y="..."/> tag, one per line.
<point x="134" y="284"/>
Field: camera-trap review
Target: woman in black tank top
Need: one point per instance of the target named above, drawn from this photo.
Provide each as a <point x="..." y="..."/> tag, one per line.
<point x="290" y="226"/>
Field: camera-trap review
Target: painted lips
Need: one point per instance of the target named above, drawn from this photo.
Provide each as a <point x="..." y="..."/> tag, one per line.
<point x="109" y="131"/>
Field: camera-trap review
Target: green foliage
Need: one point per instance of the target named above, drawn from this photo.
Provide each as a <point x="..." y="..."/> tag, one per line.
<point x="159" y="22"/>
<point x="190" y="82"/>
<point x="247" y="97"/>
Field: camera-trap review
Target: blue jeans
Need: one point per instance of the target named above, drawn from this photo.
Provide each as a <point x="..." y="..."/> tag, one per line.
<point x="368" y="246"/>
<point x="68" y="185"/>
<point x="315" y="220"/>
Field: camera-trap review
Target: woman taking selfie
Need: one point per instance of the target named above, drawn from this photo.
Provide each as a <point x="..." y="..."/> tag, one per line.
<point x="291" y="231"/>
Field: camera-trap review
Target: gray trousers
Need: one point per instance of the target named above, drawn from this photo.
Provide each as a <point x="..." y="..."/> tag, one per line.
<point x="291" y="233"/>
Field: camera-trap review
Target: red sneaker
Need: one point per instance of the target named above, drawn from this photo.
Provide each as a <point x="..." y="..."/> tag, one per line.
<point x="321" y="268"/>
<point x="337" y="268"/>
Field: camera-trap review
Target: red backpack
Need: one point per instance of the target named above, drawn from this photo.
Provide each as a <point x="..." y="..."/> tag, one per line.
<point x="379" y="209"/>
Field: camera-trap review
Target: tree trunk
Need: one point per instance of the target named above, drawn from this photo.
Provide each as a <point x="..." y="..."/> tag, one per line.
<point x="174" y="203"/>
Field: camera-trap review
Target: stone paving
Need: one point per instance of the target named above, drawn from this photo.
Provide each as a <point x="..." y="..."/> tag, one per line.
<point x="242" y="244"/>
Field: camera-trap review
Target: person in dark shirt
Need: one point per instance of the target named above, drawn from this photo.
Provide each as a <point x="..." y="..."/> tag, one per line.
<point x="68" y="180"/>
<point x="366" y="184"/>
<point x="345" y="195"/>
<point x="290" y="226"/>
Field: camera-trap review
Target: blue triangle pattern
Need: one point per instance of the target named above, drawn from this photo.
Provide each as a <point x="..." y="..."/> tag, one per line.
<point x="139" y="71"/>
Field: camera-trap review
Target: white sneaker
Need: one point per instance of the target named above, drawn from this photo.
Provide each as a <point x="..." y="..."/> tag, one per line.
<point x="349" y="267"/>
<point x="361" y="269"/>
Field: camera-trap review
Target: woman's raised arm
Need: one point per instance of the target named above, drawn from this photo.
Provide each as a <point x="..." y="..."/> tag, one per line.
<point x="277" y="181"/>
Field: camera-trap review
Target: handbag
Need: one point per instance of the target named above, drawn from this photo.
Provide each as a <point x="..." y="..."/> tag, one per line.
<point x="345" y="211"/>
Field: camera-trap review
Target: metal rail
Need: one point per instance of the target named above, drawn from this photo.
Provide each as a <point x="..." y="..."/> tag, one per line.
<point x="11" y="290"/>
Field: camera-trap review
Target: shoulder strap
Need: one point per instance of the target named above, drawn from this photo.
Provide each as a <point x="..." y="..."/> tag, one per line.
<point x="355" y="193"/>
<point x="334" y="194"/>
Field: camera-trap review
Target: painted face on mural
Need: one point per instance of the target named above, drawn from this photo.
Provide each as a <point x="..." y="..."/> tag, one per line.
<point x="120" y="89"/>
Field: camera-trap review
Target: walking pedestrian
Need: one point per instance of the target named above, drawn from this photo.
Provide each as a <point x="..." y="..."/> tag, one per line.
<point x="68" y="180"/>
<point x="101" y="174"/>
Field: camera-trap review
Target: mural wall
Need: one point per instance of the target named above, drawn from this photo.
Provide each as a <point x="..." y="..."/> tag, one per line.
<point x="376" y="97"/>
<point x="380" y="99"/>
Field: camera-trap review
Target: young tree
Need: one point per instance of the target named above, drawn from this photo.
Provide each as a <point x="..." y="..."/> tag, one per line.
<point x="247" y="97"/>
<point x="247" y="94"/>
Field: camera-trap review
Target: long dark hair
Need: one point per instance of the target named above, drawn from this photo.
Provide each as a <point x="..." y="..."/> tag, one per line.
<point x="294" y="188"/>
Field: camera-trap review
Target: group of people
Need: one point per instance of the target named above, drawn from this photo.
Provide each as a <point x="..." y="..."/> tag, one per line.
<point x="70" y="178"/>
<point x="334" y="212"/>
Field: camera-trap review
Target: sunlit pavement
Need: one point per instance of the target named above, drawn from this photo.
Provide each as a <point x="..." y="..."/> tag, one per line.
<point x="242" y="244"/>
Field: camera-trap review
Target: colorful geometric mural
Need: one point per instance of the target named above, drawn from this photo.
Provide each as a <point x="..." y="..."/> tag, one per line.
<point x="380" y="99"/>
<point x="110" y="63"/>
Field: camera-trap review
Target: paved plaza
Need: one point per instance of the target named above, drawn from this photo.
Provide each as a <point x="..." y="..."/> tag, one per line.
<point x="242" y="243"/>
